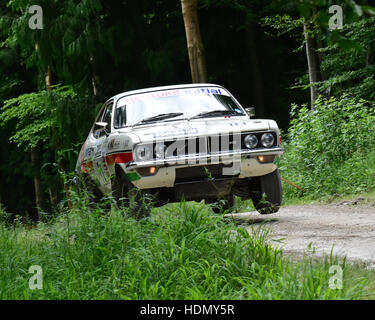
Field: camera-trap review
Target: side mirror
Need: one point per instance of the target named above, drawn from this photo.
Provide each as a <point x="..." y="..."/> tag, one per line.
<point x="250" y="111"/>
<point x="101" y="127"/>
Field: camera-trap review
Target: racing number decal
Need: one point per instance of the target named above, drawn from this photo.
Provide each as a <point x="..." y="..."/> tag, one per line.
<point x="101" y="170"/>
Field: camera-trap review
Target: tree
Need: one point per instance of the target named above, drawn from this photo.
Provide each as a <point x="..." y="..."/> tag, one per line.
<point x="314" y="18"/>
<point x="49" y="119"/>
<point x="194" y="41"/>
<point x="313" y="63"/>
<point x="351" y="69"/>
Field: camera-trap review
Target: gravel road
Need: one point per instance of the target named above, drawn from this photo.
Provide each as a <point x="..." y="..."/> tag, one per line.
<point x="348" y="226"/>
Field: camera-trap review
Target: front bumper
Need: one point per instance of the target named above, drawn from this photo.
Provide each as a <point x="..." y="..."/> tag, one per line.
<point x="245" y="161"/>
<point x="194" y="159"/>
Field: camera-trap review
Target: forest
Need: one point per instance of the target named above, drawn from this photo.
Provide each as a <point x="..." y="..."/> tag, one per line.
<point x="307" y="64"/>
<point x="281" y="57"/>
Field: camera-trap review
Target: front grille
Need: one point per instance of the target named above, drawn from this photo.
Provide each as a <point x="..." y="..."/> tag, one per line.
<point x="190" y="146"/>
<point x="199" y="173"/>
<point x="224" y="143"/>
<point x="209" y="144"/>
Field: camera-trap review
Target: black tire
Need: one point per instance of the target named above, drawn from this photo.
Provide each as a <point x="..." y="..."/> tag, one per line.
<point x="268" y="198"/>
<point x="86" y="187"/>
<point x="126" y="194"/>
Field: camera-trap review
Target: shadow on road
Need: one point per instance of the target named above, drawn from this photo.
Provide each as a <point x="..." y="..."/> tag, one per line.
<point x="240" y="219"/>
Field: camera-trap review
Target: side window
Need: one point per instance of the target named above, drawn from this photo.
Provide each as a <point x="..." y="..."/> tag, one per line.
<point x="108" y="116"/>
<point x="120" y="117"/>
<point x="105" y="116"/>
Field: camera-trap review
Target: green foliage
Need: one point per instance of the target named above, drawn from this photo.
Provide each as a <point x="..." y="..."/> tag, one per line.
<point x="47" y="117"/>
<point x="124" y="45"/>
<point x="54" y="123"/>
<point x="181" y="252"/>
<point x="343" y="58"/>
<point x="35" y="116"/>
<point x="352" y="69"/>
<point x="331" y="149"/>
<point x="284" y="24"/>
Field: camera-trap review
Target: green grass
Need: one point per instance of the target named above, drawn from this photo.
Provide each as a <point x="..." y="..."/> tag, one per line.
<point x="181" y="251"/>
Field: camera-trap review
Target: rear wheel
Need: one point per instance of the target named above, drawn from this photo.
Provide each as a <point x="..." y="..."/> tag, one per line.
<point x="126" y="194"/>
<point x="268" y="196"/>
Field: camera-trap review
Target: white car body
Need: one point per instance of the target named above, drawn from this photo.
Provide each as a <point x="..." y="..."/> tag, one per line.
<point x="105" y="152"/>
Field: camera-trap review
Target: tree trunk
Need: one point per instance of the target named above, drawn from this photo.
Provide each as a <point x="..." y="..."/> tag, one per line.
<point x="94" y="77"/>
<point x="64" y="167"/>
<point x="52" y="192"/>
<point x="194" y="41"/>
<point x="49" y="78"/>
<point x="37" y="184"/>
<point x="255" y="71"/>
<point x="313" y="63"/>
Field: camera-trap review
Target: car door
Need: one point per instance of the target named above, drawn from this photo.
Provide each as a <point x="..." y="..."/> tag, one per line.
<point x="100" y="139"/>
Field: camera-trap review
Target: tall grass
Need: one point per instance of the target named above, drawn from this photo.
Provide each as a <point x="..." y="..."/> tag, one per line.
<point x="179" y="252"/>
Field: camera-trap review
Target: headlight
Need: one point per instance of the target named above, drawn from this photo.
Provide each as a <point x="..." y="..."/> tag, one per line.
<point x="250" y="141"/>
<point x="160" y="150"/>
<point x="267" y="140"/>
<point x="143" y="153"/>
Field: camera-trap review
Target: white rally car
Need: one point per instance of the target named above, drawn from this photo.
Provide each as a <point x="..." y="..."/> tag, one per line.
<point x="185" y="141"/>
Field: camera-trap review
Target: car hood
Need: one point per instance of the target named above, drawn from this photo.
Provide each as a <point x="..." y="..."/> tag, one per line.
<point x="198" y="127"/>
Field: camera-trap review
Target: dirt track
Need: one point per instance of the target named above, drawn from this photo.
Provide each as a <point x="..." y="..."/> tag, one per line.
<point x="348" y="226"/>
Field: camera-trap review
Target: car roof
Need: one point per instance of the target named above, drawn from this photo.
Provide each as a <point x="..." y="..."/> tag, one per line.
<point x="179" y="86"/>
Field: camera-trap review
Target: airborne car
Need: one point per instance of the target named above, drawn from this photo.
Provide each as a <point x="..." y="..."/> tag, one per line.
<point x="185" y="141"/>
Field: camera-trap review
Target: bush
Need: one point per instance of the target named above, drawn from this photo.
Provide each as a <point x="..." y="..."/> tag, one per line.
<point x="331" y="149"/>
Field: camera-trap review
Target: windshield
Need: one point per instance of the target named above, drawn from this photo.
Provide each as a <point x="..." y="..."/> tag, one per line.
<point x="178" y="103"/>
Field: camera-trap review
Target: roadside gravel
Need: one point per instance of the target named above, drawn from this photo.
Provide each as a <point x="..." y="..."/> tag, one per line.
<point x="348" y="227"/>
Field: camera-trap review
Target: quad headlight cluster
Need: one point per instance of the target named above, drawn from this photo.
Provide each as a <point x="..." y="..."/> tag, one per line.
<point x="251" y="141"/>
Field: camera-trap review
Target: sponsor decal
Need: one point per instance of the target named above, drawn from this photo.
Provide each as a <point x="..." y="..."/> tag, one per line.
<point x="169" y="133"/>
<point x="171" y="93"/>
<point x="238" y="124"/>
<point x="113" y="144"/>
<point x="205" y="91"/>
<point x="88" y="165"/>
<point x="83" y="167"/>
<point x="88" y="153"/>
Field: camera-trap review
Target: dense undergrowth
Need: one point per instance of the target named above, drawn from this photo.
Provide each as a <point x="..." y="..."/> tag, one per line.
<point x="181" y="252"/>
<point x="330" y="150"/>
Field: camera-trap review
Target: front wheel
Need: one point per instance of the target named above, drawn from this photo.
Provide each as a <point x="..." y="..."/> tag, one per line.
<point x="87" y="188"/>
<point x="268" y="196"/>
